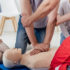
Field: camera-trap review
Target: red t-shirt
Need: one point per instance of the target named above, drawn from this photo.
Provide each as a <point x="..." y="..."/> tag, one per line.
<point x="62" y="56"/>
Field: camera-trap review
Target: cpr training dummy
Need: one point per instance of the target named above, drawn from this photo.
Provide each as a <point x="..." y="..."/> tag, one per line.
<point x="53" y="59"/>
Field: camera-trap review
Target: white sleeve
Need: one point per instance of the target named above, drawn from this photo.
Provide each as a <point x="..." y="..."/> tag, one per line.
<point x="64" y="30"/>
<point x="60" y="9"/>
<point x="61" y="13"/>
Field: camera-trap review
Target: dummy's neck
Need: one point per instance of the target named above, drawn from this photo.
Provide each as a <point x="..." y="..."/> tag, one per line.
<point x="24" y="59"/>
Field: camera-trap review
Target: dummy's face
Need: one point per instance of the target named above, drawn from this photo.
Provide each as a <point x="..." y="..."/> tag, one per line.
<point x="13" y="54"/>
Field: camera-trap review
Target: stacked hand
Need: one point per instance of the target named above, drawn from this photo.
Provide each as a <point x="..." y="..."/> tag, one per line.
<point x="40" y="48"/>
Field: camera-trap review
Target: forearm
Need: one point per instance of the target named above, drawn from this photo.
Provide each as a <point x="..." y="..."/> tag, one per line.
<point x="64" y="18"/>
<point x="31" y="35"/>
<point x="49" y="33"/>
<point x="51" y="25"/>
<point x="26" y="10"/>
<point x="44" y="9"/>
<point x="25" y="7"/>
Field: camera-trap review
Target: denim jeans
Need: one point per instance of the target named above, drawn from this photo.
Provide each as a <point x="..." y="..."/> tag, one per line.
<point x="62" y="38"/>
<point x="22" y="38"/>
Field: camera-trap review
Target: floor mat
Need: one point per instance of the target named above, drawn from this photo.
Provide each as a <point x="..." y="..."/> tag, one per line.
<point x="14" y="68"/>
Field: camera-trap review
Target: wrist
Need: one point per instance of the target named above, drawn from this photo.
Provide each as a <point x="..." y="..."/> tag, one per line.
<point x="34" y="17"/>
<point x="34" y="45"/>
<point x="46" y="43"/>
<point x="25" y="14"/>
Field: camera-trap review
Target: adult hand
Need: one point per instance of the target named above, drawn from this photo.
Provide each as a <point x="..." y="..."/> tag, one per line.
<point x="40" y="48"/>
<point x="35" y="51"/>
<point x="26" y="21"/>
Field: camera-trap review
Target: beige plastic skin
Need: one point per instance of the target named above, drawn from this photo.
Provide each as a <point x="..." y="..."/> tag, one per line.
<point x="41" y="60"/>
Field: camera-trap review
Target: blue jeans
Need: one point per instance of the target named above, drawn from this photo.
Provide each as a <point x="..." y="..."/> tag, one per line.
<point x="62" y="38"/>
<point x="22" y="38"/>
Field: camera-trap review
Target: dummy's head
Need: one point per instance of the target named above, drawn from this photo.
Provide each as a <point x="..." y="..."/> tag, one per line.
<point x="12" y="57"/>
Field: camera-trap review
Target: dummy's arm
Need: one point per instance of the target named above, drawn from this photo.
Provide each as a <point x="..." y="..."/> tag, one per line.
<point x="41" y="60"/>
<point x="44" y="9"/>
<point x="26" y="12"/>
